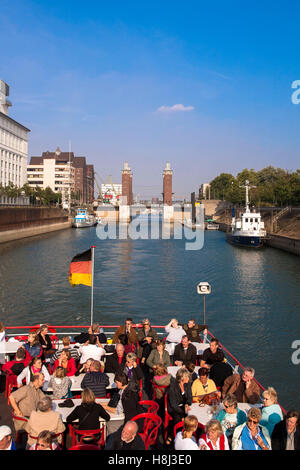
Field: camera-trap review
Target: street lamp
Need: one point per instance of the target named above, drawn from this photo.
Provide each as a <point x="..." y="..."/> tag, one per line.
<point x="203" y="288"/>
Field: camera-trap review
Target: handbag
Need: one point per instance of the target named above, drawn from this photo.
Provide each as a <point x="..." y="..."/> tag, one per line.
<point x="209" y="399"/>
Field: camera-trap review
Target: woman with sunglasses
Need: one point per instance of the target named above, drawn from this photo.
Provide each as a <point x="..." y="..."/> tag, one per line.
<point x="231" y="416"/>
<point x="251" y="435"/>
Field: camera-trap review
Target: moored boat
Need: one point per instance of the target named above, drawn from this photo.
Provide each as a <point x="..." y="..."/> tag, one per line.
<point x="82" y="219"/>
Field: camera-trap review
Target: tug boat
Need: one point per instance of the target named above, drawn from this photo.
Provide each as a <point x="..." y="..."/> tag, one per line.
<point x="82" y="219"/>
<point x="247" y="230"/>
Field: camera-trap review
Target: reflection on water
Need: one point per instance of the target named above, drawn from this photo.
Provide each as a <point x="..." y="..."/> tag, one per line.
<point x="253" y="308"/>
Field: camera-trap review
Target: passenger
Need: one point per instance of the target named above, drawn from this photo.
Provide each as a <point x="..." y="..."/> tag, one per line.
<point x="147" y="338"/>
<point x="25" y="399"/>
<point x="214" y="438"/>
<point x="67" y="362"/>
<point x="127" y="438"/>
<point x="2" y="332"/>
<point x="44" y="442"/>
<point x="88" y="412"/>
<point x="91" y="349"/>
<point x="93" y="330"/>
<point x="242" y="386"/>
<point x="128" y="330"/>
<point x="193" y="331"/>
<point x="34" y="368"/>
<point x="184" y="439"/>
<point x="158" y="356"/>
<point x="45" y="341"/>
<point x="185" y="352"/>
<point x="231" y="416"/>
<point x="271" y="412"/>
<point x="43" y="418"/>
<point x="123" y="339"/>
<point x="6" y="442"/>
<point x="286" y="433"/>
<point x="219" y="372"/>
<point x="190" y="366"/>
<point x="66" y="345"/>
<point x="84" y="368"/>
<point x="179" y="399"/>
<point x="162" y="378"/>
<point x="203" y="385"/>
<point x="116" y="360"/>
<point x="212" y="355"/>
<point x="175" y="331"/>
<point x="17" y="365"/>
<point x="60" y="384"/>
<point x="132" y="369"/>
<point x="96" y="380"/>
<point x="250" y="435"/>
<point x="33" y="346"/>
<point x="128" y="402"/>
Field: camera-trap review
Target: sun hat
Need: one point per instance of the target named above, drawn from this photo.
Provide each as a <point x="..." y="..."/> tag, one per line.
<point x="4" y="431"/>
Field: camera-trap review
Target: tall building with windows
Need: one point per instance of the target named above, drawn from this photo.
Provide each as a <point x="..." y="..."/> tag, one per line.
<point x="13" y="144"/>
<point x="62" y="172"/>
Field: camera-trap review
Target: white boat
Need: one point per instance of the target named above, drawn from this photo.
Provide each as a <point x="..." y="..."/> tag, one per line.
<point x="82" y="219"/>
<point x="212" y="226"/>
<point x="247" y="230"/>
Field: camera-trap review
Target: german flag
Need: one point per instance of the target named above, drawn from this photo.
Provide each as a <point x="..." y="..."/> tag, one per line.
<point x="80" y="271"/>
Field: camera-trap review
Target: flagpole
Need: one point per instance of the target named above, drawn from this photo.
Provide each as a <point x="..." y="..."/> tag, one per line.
<point x="92" y="286"/>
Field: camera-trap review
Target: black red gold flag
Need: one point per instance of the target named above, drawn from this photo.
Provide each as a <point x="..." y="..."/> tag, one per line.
<point x="80" y="271"/>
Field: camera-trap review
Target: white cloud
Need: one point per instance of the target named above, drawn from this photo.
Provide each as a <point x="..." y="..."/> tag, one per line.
<point x="174" y="108"/>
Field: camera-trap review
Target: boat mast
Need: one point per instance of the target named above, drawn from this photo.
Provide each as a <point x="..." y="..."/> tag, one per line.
<point x="247" y="195"/>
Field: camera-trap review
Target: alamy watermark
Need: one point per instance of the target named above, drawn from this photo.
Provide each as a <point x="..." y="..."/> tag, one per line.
<point x="296" y="94"/>
<point x="144" y="223"/>
<point x="296" y="354"/>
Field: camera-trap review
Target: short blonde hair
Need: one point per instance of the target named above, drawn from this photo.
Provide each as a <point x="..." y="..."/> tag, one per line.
<point x="181" y="373"/>
<point x="254" y="413"/>
<point x="131" y="356"/>
<point x="214" y="425"/>
<point x="270" y="393"/>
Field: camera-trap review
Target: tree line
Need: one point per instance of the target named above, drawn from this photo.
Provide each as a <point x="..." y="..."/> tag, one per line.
<point x="37" y="195"/>
<point x="269" y="187"/>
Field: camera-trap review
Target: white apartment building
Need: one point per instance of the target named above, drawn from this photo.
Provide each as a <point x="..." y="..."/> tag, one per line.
<point x="111" y="192"/>
<point x="13" y="144"/>
<point x="56" y="173"/>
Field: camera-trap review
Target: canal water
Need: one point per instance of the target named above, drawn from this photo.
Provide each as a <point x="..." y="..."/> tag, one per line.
<point x="253" y="307"/>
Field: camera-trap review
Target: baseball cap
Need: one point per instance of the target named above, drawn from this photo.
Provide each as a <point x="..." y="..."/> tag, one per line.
<point x="4" y="431"/>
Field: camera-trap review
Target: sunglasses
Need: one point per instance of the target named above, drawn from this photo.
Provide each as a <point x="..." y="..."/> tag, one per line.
<point x="252" y="421"/>
<point x="226" y="406"/>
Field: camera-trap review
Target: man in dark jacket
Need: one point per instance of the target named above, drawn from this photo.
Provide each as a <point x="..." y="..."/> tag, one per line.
<point x="193" y="331"/>
<point x="96" y="380"/>
<point x="185" y="352"/>
<point x="127" y="438"/>
<point x="286" y="433"/>
<point x="93" y="330"/>
<point x="116" y="361"/>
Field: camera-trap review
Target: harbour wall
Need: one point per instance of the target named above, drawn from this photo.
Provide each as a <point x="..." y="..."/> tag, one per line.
<point x="23" y="222"/>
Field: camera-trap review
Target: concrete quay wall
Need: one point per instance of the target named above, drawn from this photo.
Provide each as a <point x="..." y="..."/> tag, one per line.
<point x="292" y="245"/>
<point x="23" y="222"/>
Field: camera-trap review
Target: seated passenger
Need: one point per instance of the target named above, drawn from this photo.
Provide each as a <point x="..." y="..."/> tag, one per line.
<point x="203" y="385"/>
<point x="88" y="412"/>
<point x="45" y="340"/>
<point x="158" y="356"/>
<point x="286" y="433"/>
<point x="44" y="442"/>
<point x="91" y="349"/>
<point x="214" y="438"/>
<point x="116" y="360"/>
<point x="161" y="377"/>
<point x="242" y="386"/>
<point x="43" y="418"/>
<point x="146" y="337"/>
<point x="231" y="416"/>
<point x="24" y="400"/>
<point x="128" y="330"/>
<point x="219" y="372"/>
<point x="132" y="369"/>
<point x="123" y="339"/>
<point x="67" y="362"/>
<point x="250" y="435"/>
<point x="33" y="346"/>
<point x="17" y="365"/>
<point x="271" y="412"/>
<point x="66" y="345"/>
<point x="184" y="439"/>
<point x="93" y="330"/>
<point x="212" y="355"/>
<point x="179" y="399"/>
<point x="6" y="442"/>
<point x="34" y="368"/>
<point x="175" y="331"/>
<point x="84" y="368"/>
<point x="96" y="380"/>
<point x="127" y="438"/>
<point x="185" y="352"/>
<point x="60" y="384"/>
<point x="193" y="331"/>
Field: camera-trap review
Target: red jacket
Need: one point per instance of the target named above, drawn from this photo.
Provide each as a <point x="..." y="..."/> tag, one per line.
<point x="71" y="367"/>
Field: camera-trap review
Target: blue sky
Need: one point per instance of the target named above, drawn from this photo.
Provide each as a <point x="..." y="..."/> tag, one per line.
<point x="107" y="76"/>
